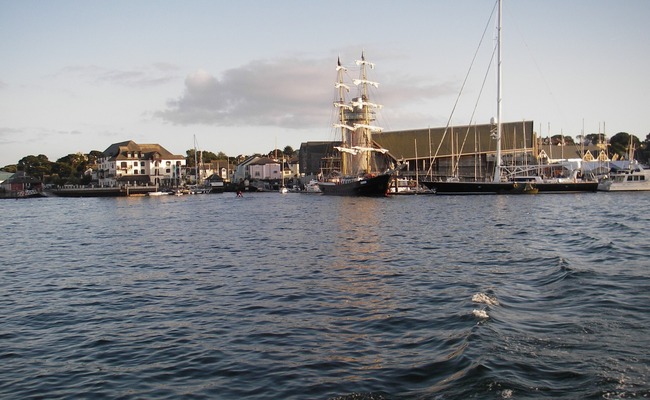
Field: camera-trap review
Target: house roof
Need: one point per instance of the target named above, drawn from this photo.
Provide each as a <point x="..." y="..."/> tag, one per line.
<point x="21" y="177"/>
<point x="118" y="151"/>
<point x="5" y="175"/>
<point x="568" y="150"/>
<point x="264" y="161"/>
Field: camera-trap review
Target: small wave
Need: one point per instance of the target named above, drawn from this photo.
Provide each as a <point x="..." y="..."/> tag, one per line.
<point x="481" y="314"/>
<point x="485" y="299"/>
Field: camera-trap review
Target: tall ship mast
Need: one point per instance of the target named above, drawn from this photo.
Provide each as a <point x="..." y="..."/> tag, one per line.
<point x="362" y="173"/>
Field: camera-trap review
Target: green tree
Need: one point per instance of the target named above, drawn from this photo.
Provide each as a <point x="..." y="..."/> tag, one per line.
<point x="275" y="153"/>
<point x="208" y="156"/>
<point x="561" y="139"/>
<point x="643" y="153"/>
<point x="77" y="163"/>
<point x="288" y="151"/>
<point x="36" y="166"/>
<point x="595" y="138"/>
<point x="94" y="156"/>
<point x="620" y="144"/>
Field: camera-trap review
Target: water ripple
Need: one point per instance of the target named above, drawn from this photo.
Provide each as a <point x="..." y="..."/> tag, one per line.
<point x="297" y="297"/>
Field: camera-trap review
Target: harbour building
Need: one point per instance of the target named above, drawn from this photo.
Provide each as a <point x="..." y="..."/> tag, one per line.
<point x="129" y="163"/>
<point x="466" y="152"/>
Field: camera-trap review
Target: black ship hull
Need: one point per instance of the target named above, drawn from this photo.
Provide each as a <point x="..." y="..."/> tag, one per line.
<point x="369" y="187"/>
<point x="569" y="187"/>
<point x="509" y="187"/>
<point x="468" y="188"/>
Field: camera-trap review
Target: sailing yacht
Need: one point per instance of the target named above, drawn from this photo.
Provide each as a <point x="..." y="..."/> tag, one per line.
<point x="497" y="185"/>
<point x="359" y="174"/>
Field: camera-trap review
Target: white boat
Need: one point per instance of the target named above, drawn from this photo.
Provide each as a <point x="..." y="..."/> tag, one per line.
<point x="636" y="178"/>
<point x="407" y="186"/>
<point x="158" y="193"/>
<point x="283" y="189"/>
<point x="312" y="187"/>
<point x="199" y="189"/>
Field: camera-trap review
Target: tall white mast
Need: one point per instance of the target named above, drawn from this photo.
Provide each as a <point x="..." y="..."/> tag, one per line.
<point x="497" y="165"/>
<point x="342" y="87"/>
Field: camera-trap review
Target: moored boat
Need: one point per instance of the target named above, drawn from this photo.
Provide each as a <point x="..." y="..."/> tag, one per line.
<point x="403" y="185"/>
<point x="558" y="185"/>
<point x="358" y="186"/>
<point x="498" y="184"/>
<point x="471" y="188"/>
<point x="633" y="179"/>
<point x="158" y="193"/>
<point x="312" y="187"/>
<point x="360" y="174"/>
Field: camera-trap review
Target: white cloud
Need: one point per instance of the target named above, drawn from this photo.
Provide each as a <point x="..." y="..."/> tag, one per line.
<point x="286" y="93"/>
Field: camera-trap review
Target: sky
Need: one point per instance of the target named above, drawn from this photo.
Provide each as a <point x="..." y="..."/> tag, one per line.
<point x="248" y="76"/>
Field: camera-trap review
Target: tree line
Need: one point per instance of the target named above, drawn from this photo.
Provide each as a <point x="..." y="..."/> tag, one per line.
<point x="75" y="169"/>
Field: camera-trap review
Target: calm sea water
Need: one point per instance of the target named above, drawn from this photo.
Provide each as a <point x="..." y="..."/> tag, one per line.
<point x="299" y="296"/>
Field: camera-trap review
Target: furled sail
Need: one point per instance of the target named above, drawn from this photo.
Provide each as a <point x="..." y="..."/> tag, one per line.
<point x="359" y="103"/>
<point x="344" y="126"/>
<point x="371" y="128"/>
<point x="347" y="150"/>
<point x="343" y="105"/>
<point x="366" y="149"/>
<point x="358" y="82"/>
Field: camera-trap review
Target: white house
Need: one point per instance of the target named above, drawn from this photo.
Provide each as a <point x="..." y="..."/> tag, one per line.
<point x="139" y="164"/>
<point x="265" y="168"/>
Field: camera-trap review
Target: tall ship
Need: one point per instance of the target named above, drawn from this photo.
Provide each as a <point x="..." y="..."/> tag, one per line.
<point x="365" y="169"/>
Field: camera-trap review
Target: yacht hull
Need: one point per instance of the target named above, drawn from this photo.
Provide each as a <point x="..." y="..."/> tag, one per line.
<point x="570" y="187"/>
<point x="461" y="188"/>
<point x="509" y="187"/>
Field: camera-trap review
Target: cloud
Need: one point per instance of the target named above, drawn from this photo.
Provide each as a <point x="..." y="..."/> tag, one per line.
<point x="286" y="93"/>
<point x="153" y="75"/>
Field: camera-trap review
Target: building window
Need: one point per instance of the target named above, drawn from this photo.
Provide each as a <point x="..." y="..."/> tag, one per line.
<point x="135" y="163"/>
<point x="142" y="172"/>
<point x="168" y="170"/>
<point x="123" y="164"/>
<point x="135" y="172"/>
<point x="142" y="163"/>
